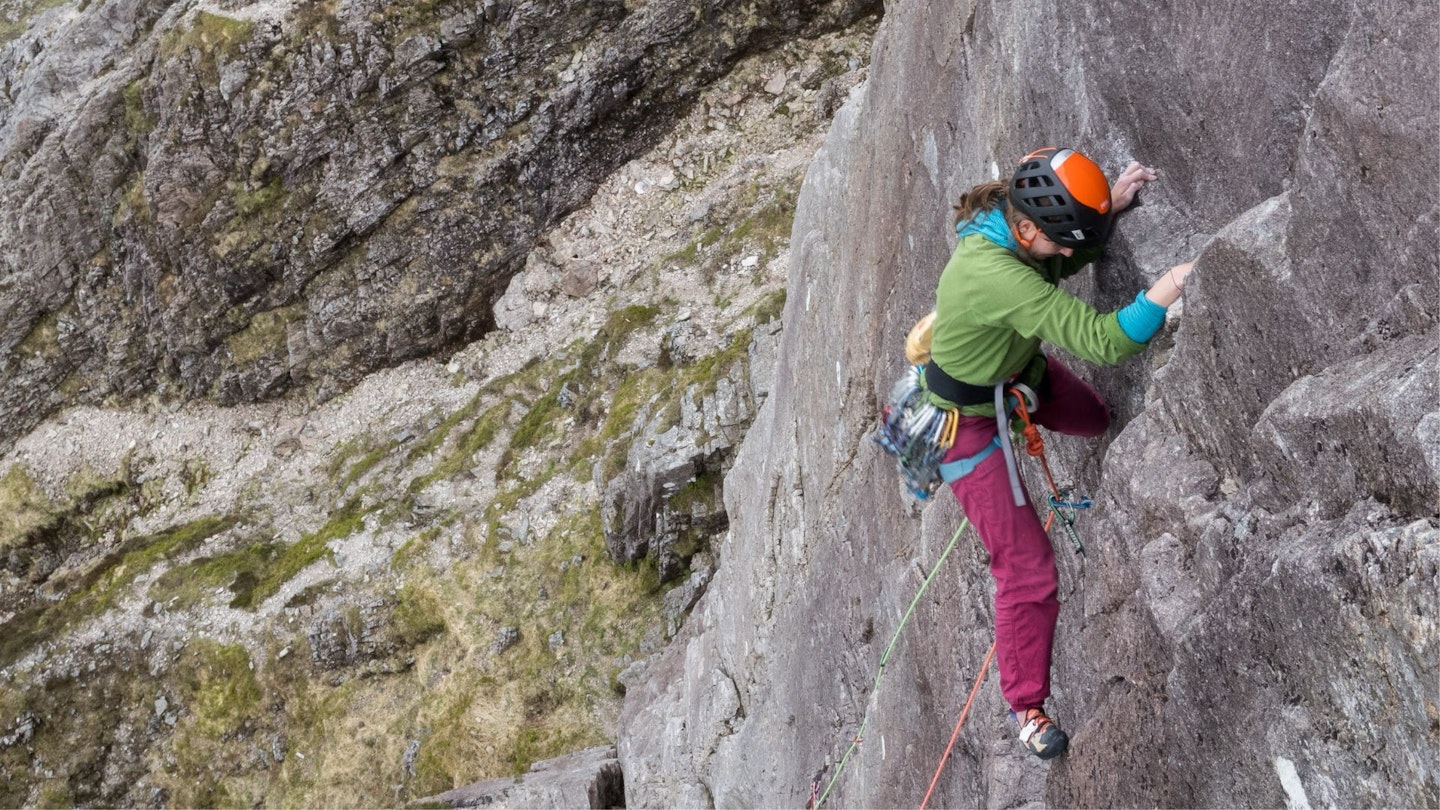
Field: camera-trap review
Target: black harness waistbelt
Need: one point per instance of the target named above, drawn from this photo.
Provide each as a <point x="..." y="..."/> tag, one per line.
<point x="960" y="393"/>
<point x="963" y="393"/>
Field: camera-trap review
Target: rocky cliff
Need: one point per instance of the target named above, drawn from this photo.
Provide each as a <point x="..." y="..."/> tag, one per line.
<point x="230" y="200"/>
<point x="1255" y="623"/>
<point x="443" y="573"/>
<point x="241" y="565"/>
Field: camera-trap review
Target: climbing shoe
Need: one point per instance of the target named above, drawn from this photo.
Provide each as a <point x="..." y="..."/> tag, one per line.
<point x="1040" y="734"/>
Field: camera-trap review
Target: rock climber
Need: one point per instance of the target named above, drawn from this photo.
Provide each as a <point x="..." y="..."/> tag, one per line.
<point x="997" y="301"/>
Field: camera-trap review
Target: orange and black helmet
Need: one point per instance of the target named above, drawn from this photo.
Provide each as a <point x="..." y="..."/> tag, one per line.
<point x="1065" y="194"/>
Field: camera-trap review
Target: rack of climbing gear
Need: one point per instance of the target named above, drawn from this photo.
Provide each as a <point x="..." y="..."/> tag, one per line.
<point x="917" y="433"/>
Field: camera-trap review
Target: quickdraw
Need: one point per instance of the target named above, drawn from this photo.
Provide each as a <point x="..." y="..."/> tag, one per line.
<point x="1060" y="503"/>
<point x="917" y="433"/>
<point x="1065" y="509"/>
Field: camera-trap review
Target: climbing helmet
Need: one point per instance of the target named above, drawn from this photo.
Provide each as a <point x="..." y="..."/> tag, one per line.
<point x="1065" y="194"/>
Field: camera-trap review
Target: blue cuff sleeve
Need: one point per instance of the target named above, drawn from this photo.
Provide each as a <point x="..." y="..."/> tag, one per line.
<point x="1141" y="319"/>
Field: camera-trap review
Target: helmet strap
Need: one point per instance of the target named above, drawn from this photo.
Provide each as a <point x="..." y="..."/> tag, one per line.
<point x="1024" y="243"/>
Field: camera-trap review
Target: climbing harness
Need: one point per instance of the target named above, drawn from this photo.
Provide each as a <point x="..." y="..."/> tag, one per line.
<point x="917" y="433"/>
<point x="953" y="471"/>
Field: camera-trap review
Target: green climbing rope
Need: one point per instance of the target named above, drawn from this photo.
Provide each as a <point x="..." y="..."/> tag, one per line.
<point x="886" y="657"/>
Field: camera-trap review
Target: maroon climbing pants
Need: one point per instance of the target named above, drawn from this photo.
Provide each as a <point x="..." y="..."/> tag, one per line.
<point x="1021" y="559"/>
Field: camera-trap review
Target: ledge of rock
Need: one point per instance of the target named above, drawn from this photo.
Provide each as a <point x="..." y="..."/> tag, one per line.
<point x="589" y="778"/>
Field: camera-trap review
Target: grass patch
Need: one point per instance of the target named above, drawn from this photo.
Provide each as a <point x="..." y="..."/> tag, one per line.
<point x="771" y="223"/>
<point x="91" y="505"/>
<point x="535" y="423"/>
<point x="315" y="17"/>
<point x="459" y="713"/>
<point x="195" y="474"/>
<point x="409" y="552"/>
<point x="259" y="201"/>
<point x="705" y="373"/>
<point x="610" y="444"/>
<point x="533" y="702"/>
<point x="618" y="327"/>
<point x="256" y="571"/>
<point x="766" y="227"/>
<point x="211" y="37"/>
<point x="219" y="687"/>
<point x="460" y="455"/>
<point x="84" y="724"/>
<point x="138" y="123"/>
<point x="310" y="595"/>
<point x="132" y="205"/>
<point x="703" y="490"/>
<point x="366" y="463"/>
<point x="435" y="438"/>
<point x="507" y="499"/>
<point x="769" y="307"/>
<point x="690" y="254"/>
<point x="221" y="700"/>
<point x="98" y="587"/>
<point x="14" y="23"/>
<point x="417" y="616"/>
<point x="43" y="340"/>
<point x="587" y="385"/>
<point x="257" y="208"/>
<point x="24" y="508"/>
<point x="415" y="14"/>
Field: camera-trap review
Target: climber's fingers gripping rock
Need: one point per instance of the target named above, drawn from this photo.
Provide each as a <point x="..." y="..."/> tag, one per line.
<point x="1128" y="184"/>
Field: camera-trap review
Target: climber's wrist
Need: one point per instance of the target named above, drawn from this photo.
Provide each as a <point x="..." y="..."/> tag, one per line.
<point x="1166" y="289"/>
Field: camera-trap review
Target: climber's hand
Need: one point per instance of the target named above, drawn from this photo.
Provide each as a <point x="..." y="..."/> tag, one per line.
<point x="1128" y="184"/>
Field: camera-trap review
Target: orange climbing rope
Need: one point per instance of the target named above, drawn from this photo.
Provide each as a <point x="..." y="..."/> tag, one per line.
<point x="1034" y="442"/>
<point x="984" y="668"/>
<point x="1035" y="446"/>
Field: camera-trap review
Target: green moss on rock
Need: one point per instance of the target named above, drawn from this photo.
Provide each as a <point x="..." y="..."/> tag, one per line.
<point x="24" y="508"/>
<point x="99" y="586"/>
<point x="258" y="570"/>
<point x="266" y="334"/>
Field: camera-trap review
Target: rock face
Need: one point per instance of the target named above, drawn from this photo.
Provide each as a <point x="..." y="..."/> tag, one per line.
<point x="231" y="202"/>
<point x="1255" y="624"/>
<point x="589" y="778"/>
<point x="667" y="503"/>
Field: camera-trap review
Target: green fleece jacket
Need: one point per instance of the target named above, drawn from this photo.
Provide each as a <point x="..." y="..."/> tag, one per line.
<point x="992" y="312"/>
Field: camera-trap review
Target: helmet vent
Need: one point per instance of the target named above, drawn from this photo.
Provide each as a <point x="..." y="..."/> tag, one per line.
<point x="1064" y="193"/>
